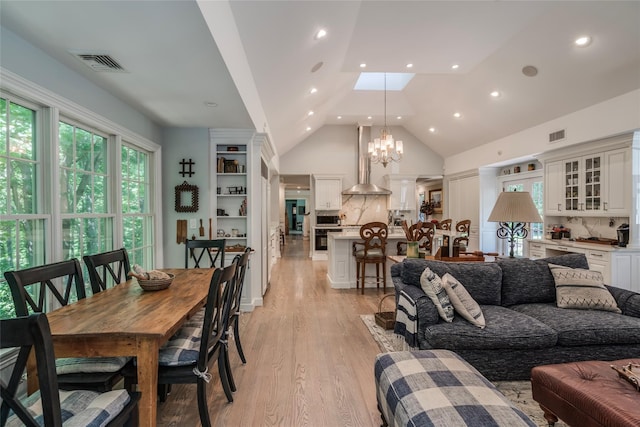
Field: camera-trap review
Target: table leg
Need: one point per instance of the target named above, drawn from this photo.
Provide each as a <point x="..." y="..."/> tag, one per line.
<point x="148" y="381"/>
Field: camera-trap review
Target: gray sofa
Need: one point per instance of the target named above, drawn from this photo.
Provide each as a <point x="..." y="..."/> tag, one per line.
<point x="524" y="328"/>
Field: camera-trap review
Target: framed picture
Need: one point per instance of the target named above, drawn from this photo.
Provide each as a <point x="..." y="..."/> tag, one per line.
<point x="435" y="197"/>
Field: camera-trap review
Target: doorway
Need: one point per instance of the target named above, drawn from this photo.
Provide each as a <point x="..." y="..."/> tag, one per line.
<point x="295" y="212"/>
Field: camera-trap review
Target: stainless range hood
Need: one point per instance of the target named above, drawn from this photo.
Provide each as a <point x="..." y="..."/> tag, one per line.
<point x="364" y="187"/>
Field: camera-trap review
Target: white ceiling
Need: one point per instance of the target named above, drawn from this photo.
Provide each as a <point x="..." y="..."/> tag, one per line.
<point x="174" y="66"/>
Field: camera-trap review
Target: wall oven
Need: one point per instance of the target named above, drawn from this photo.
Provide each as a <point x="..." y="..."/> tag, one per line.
<point x="322" y="238"/>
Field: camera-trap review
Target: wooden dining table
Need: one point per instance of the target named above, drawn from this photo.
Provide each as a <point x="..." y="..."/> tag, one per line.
<point x="128" y="321"/>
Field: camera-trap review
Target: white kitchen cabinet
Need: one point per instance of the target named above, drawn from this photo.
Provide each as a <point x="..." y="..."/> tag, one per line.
<point x="328" y="192"/>
<point x="620" y="267"/>
<point x="403" y="192"/>
<point x="536" y="249"/>
<point x="554" y="188"/>
<point x="589" y="185"/>
<point x="616" y="185"/>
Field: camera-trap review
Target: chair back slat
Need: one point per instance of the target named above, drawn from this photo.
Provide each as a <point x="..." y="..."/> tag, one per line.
<point x="27" y="333"/>
<point x="21" y="281"/>
<point x="374" y="235"/>
<point x="101" y="269"/>
<point x="243" y="264"/>
<point x="215" y="309"/>
<point x="196" y="249"/>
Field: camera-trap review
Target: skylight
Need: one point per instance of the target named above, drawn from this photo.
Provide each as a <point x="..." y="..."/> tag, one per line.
<point x="375" y="81"/>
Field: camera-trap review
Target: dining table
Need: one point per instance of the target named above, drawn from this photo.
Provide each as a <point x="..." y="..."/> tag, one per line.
<point x="126" y="320"/>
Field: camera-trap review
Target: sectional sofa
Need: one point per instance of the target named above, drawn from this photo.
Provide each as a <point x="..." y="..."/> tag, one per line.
<point x="524" y="326"/>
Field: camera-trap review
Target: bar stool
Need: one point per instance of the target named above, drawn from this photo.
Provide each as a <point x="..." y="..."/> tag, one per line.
<point x="372" y="250"/>
<point x="424" y="237"/>
<point x="462" y="227"/>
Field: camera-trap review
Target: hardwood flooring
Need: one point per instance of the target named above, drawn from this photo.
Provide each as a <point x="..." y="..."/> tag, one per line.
<point x="309" y="356"/>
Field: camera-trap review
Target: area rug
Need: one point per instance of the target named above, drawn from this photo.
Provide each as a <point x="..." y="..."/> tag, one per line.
<point x="519" y="392"/>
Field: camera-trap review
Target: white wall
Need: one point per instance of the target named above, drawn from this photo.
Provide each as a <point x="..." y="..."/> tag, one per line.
<point x="178" y="144"/>
<point x="613" y="117"/>
<point x="332" y="149"/>
<point x="29" y="62"/>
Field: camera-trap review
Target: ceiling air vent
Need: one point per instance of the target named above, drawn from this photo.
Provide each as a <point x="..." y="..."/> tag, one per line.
<point x="100" y="62"/>
<point x="556" y="136"/>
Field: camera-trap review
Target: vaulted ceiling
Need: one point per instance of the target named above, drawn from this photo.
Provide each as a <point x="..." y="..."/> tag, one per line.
<point x="176" y="63"/>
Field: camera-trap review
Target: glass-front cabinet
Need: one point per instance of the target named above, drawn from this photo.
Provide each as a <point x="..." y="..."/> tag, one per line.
<point x="582" y="184"/>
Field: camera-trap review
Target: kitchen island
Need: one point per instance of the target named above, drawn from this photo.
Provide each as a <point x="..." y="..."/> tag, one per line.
<point x="341" y="268"/>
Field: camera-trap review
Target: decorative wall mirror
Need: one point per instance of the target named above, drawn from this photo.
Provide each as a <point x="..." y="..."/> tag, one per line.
<point x="186" y="197"/>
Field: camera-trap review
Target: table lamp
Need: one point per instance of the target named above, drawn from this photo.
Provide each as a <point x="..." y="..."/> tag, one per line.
<point x="513" y="210"/>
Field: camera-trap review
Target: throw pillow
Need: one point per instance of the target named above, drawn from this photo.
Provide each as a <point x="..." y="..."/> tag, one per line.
<point x="463" y="303"/>
<point x="432" y="286"/>
<point x="582" y="289"/>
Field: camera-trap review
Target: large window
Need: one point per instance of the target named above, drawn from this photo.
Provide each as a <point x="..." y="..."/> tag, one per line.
<point x="137" y="220"/>
<point x="69" y="189"/>
<point x="22" y="225"/>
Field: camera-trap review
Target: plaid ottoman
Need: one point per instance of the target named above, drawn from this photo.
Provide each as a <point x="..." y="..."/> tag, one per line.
<point x="439" y="388"/>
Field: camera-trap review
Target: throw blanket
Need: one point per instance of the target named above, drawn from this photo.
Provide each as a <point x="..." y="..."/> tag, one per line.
<point x="407" y="320"/>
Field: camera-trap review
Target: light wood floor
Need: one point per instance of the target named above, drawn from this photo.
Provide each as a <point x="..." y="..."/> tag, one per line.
<point x="309" y="356"/>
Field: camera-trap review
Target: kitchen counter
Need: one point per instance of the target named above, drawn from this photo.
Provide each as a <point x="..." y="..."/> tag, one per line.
<point x="341" y="268"/>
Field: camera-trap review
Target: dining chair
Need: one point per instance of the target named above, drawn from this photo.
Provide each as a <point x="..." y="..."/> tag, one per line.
<point x="231" y="318"/>
<point x="372" y="250"/>
<point x="192" y="350"/>
<point x="424" y="237"/>
<point x="38" y="288"/>
<point x="49" y="406"/>
<point x="462" y="227"/>
<point x="195" y="249"/>
<point x="445" y="224"/>
<point x="107" y="269"/>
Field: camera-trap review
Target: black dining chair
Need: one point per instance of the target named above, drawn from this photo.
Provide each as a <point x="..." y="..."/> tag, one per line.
<point x="49" y="404"/>
<point x="32" y="289"/>
<point x="194" y="348"/>
<point x="107" y="269"/>
<point x="196" y="249"/>
<point x="231" y="317"/>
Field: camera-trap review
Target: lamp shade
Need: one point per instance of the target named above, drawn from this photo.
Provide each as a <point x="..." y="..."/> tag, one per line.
<point x="514" y="206"/>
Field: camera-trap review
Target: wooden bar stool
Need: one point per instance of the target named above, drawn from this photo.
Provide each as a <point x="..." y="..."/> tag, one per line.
<point x="372" y="250"/>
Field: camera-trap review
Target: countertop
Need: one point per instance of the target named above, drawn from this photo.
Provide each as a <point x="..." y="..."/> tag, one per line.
<point x="582" y="245"/>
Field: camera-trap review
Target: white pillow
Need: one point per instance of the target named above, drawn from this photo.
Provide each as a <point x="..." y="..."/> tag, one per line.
<point x="582" y="289"/>
<point x="464" y="304"/>
<point x="432" y="286"/>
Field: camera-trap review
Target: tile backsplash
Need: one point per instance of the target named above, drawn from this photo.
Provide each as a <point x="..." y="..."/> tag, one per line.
<point x="589" y="226"/>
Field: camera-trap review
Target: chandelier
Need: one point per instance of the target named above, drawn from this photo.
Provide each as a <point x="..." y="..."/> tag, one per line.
<point x="384" y="149"/>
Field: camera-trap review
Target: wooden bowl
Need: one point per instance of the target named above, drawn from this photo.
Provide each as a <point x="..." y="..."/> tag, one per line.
<point x="156" y="284"/>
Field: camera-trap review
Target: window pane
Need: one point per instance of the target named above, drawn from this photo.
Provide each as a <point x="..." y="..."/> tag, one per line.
<point x="83" y="150"/>
<point x="71" y="238"/>
<point x="21" y="132"/>
<point x="4" y="187"/>
<point x="65" y="134"/>
<point x="21" y="244"/>
<point x="21" y="187"/>
<point x="100" y="194"/>
<point x="100" y="154"/>
<point x="67" y="178"/>
<point x="3" y="126"/>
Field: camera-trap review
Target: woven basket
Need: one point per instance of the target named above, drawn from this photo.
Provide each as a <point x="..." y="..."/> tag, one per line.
<point x="156" y="284"/>
<point x="385" y="319"/>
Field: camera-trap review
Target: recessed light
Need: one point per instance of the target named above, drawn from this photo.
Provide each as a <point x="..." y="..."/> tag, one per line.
<point x="583" y="41"/>
<point x="369" y="117"/>
<point x="310" y="113"/>
<point x="339" y="117"/>
<point x="317" y="67"/>
<point x="529" y="71"/>
<point x="409" y="65"/>
<point x="455" y="66"/>
<point x="363" y="65"/>
<point x="313" y="90"/>
<point x="322" y="33"/>
<point x="399" y="117"/>
<point x="308" y="128"/>
<point x="495" y="94"/>
<point x="432" y="130"/>
<point x="457" y="115"/>
<point x="210" y="104"/>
